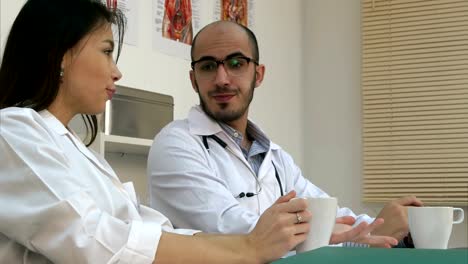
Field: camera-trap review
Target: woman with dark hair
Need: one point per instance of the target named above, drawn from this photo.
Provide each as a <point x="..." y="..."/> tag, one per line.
<point x="61" y="203"/>
<point x="33" y="66"/>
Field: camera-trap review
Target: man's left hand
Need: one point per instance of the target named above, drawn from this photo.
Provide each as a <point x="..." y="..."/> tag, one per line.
<point x="395" y="215"/>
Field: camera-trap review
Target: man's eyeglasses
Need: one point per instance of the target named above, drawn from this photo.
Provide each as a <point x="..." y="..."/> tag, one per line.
<point x="206" y="68"/>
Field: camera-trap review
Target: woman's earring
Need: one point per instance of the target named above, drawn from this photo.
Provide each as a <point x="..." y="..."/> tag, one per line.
<point x="61" y="73"/>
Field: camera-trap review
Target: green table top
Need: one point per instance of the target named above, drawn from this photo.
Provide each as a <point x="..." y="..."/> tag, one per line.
<point x="378" y="255"/>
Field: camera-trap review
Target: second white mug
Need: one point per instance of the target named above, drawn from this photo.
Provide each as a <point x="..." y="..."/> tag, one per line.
<point x="431" y="227"/>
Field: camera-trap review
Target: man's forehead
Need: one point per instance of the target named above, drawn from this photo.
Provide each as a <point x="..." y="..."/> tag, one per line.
<point x="221" y="40"/>
<point x="221" y="26"/>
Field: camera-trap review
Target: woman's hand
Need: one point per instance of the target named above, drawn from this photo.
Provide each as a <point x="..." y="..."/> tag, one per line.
<point x="278" y="231"/>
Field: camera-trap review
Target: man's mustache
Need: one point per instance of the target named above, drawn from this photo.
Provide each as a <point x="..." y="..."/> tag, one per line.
<point x="220" y="90"/>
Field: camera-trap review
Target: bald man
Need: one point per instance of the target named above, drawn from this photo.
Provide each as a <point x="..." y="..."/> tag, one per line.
<point x="217" y="171"/>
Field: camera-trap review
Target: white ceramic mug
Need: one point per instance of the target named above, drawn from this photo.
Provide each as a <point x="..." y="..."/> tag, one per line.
<point x="431" y="227"/>
<point x="321" y="226"/>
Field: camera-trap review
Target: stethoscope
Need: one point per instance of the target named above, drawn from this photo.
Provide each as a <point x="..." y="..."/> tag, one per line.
<point x="224" y="146"/>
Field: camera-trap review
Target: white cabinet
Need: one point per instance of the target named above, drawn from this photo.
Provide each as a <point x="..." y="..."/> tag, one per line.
<point x="120" y="144"/>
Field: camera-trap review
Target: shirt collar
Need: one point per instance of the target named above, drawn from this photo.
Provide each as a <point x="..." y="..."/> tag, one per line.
<point x="252" y="130"/>
<point x="53" y="122"/>
<point x="202" y="125"/>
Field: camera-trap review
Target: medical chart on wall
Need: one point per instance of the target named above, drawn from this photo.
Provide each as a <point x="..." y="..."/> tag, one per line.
<point x="175" y="23"/>
<point x="130" y="10"/>
<point x="239" y="11"/>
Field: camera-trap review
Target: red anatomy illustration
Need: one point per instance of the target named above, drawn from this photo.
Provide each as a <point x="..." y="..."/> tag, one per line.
<point x="234" y="10"/>
<point x="177" y="22"/>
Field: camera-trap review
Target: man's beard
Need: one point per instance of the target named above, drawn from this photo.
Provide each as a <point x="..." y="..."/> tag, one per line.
<point x="227" y="116"/>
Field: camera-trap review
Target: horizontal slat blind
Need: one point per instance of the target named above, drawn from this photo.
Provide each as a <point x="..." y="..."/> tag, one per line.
<point x="415" y="100"/>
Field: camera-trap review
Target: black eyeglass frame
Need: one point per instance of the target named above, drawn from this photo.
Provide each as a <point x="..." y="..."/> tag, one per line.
<point x="218" y="62"/>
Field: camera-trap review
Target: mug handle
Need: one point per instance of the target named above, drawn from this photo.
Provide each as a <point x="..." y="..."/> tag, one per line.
<point x="461" y="215"/>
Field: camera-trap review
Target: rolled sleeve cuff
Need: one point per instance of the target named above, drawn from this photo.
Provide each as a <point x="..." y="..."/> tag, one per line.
<point x="253" y="225"/>
<point x="142" y="243"/>
<point x="180" y="231"/>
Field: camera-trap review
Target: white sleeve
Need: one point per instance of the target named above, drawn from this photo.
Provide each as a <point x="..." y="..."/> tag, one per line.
<point x="305" y="188"/>
<point x="187" y="190"/>
<point x="62" y="225"/>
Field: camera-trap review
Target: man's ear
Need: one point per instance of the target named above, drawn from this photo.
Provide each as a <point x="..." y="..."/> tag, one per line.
<point x="193" y="81"/>
<point x="259" y="74"/>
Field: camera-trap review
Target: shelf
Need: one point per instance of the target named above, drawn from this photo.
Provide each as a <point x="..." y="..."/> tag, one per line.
<point x="126" y="145"/>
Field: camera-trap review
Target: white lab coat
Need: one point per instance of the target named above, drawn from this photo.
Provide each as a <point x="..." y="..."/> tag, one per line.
<point x="61" y="203"/>
<point x="197" y="188"/>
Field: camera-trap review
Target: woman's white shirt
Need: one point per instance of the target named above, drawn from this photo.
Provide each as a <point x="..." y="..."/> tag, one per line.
<point x="61" y="203"/>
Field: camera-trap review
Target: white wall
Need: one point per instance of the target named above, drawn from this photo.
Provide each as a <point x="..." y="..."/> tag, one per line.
<point x="332" y="98"/>
<point x="332" y="103"/>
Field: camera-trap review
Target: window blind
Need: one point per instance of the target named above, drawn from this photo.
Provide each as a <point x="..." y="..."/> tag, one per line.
<point x="415" y="100"/>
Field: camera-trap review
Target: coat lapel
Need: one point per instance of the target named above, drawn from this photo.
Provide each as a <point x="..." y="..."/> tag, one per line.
<point x="61" y="130"/>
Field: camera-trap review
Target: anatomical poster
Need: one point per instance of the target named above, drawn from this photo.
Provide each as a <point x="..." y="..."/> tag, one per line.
<point x="239" y="11"/>
<point x="175" y="22"/>
<point x="130" y="9"/>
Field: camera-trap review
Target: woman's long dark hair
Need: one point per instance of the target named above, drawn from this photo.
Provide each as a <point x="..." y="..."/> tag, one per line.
<point x="42" y="33"/>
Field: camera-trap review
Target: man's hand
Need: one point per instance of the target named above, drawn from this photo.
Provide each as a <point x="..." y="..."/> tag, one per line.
<point x="395" y="215"/>
<point x="344" y="232"/>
